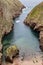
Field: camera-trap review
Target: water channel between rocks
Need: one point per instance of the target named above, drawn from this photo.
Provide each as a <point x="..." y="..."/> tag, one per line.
<point x="24" y="37"/>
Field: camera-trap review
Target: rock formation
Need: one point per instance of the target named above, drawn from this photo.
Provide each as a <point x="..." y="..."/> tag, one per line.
<point x="35" y="20"/>
<point x="9" y="9"/>
<point x="10" y="53"/>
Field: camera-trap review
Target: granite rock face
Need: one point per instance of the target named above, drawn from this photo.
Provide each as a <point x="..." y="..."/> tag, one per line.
<point x="35" y="20"/>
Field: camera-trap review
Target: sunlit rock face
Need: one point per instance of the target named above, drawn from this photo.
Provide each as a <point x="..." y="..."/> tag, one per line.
<point x="35" y="20"/>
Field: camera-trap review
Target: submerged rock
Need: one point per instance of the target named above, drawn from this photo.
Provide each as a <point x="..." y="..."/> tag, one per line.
<point x="35" y="20"/>
<point x="11" y="52"/>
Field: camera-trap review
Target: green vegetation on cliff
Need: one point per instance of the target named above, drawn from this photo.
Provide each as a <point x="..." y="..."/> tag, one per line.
<point x="35" y="20"/>
<point x="35" y="16"/>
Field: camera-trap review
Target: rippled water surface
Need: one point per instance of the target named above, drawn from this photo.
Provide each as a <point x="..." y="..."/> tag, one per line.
<point x="24" y="37"/>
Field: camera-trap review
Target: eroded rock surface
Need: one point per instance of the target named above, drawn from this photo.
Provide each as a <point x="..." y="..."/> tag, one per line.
<point x="35" y="20"/>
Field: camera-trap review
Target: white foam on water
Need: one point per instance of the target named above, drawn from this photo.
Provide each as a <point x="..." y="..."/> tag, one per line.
<point x="17" y="21"/>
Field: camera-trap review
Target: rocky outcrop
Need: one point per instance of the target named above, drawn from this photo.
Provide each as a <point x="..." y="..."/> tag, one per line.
<point x="9" y="9"/>
<point x="35" y="20"/>
<point x="10" y="53"/>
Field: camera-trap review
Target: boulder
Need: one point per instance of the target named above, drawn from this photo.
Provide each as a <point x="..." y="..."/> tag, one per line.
<point x="11" y="52"/>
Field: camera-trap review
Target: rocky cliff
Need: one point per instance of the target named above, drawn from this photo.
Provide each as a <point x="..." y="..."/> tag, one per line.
<point x="9" y="9"/>
<point x="35" y="20"/>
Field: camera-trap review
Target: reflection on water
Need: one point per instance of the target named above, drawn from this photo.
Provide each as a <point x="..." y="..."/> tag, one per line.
<point x="25" y="38"/>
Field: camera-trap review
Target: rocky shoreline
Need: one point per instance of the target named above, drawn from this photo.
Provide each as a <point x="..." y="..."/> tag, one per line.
<point x="35" y="20"/>
<point x="8" y="11"/>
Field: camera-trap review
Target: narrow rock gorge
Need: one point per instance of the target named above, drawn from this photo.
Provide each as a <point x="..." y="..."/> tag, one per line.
<point x="35" y="20"/>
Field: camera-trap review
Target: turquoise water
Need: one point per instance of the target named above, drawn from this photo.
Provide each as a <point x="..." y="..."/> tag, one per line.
<point x="23" y="36"/>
